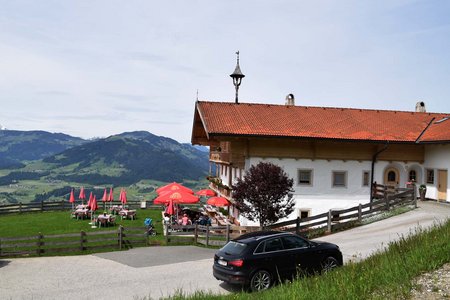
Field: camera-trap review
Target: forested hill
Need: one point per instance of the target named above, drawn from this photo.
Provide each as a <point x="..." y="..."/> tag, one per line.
<point x="18" y="146"/>
<point x="129" y="157"/>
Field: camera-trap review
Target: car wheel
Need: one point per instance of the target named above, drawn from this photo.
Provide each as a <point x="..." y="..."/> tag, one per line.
<point x="261" y="280"/>
<point x="329" y="264"/>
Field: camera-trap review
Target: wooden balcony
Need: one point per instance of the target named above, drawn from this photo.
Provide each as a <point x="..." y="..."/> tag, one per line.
<point x="219" y="157"/>
<point x="220" y="190"/>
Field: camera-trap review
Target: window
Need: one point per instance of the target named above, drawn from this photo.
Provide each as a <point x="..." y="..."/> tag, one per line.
<point x="412" y="176"/>
<point x="273" y="245"/>
<point x="339" y="179"/>
<point x="366" y="178"/>
<point x="430" y="176"/>
<point x="305" y="177"/>
<point x="391" y="176"/>
<point x="292" y="242"/>
<point x="304" y="214"/>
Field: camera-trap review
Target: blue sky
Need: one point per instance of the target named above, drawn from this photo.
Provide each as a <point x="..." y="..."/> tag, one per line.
<point x="97" y="68"/>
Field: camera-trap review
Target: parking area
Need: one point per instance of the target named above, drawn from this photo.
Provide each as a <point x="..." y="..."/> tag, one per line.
<point x="154" y="272"/>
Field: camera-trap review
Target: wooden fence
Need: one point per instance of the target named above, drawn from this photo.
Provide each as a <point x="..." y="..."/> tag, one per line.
<point x="385" y="199"/>
<point x="332" y="220"/>
<point x="205" y="234"/>
<point x="83" y="242"/>
<point x="59" y="205"/>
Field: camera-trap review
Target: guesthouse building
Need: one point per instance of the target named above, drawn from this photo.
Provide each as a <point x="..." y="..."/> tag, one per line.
<point x="333" y="154"/>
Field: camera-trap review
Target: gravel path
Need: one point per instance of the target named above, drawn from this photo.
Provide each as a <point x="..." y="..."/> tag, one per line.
<point x="432" y="286"/>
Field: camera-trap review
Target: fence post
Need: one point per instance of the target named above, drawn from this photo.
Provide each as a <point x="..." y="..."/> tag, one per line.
<point x="207" y="235"/>
<point x="386" y="198"/>
<point x="360" y="213"/>
<point x="39" y="243"/>
<point x="414" y="196"/>
<point x="228" y="233"/>
<point x="82" y="235"/>
<point x="20" y="207"/>
<point x="329" y="221"/>
<point x="42" y="206"/>
<point x="62" y="204"/>
<point x="147" y="241"/>
<point x="120" y="237"/>
<point x="196" y="233"/>
<point x="297" y="226"/>
<point x="167" y="233"/>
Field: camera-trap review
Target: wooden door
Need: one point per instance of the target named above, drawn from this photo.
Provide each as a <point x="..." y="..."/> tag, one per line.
<point x="442" y="185"/>
<point x="391" y="177"/>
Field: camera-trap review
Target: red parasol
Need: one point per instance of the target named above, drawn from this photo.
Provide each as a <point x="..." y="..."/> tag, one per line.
<point x="94" y="206"/>
<point x="72" y="197"/>
<point x="91" y="196"/>
<point x="170" y="209"/>
<point x="104" y="199"/>
<point x="206" y="192"/>
<point x="176" y="197"/>
<point x="82" y="195"/>
<point x="174" y="187"/>
<point x="111" y="195"/>
<point x="124" y="197"/>
<point x="218" y="201"/>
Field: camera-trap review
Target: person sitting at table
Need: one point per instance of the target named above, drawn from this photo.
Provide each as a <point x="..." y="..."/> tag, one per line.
<point x="185" y="220"/>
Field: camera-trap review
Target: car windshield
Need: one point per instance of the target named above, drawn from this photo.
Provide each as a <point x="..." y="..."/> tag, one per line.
<point x="233" y="248"/>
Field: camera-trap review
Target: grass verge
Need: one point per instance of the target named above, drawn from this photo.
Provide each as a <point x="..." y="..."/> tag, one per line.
<point x="385" y="275"/>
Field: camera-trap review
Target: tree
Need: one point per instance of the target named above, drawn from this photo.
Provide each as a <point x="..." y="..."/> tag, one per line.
<point x="264" y="194"/>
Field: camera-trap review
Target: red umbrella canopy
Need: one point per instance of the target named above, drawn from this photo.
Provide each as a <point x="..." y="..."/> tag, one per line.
<point x="174" y="187"/>
<point x="94" y="205"/>
<point x="82" y="194"/>
<point x="218" y="201"/>
<point x="72" y="197"/>
<point x="105" y="196"/>
<point x="206" y="192"/>
<point x="111" y="195"/>
<point x="124" y="197"/>
<point x="176" y="197"/>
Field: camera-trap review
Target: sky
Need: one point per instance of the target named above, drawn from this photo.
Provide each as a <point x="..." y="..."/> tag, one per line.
<point x="97" y="68"/>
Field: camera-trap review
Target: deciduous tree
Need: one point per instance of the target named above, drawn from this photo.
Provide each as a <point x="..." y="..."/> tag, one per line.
<point x="264" y="193"/>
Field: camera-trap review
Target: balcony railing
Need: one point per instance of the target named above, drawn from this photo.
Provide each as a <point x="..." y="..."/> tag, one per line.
<point x="216" y="184"/>
<point x="217" y="156"/>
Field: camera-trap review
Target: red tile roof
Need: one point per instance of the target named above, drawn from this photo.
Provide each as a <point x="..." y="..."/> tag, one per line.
<point x="245" y="119"/>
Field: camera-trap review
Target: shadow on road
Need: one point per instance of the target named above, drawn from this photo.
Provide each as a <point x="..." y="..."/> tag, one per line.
<point x="4" y="263"/>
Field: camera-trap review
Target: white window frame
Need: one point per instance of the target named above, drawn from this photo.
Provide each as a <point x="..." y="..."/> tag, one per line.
<point x="333" y="184"/>
<point x="311" y="176"/>
<point x="368" y="179"/>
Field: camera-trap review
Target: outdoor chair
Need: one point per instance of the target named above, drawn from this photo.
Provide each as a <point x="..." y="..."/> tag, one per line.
<point x="112" y="221"/>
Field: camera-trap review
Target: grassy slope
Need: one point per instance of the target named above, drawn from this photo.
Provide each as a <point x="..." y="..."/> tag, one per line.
<point x="55" y="222"/>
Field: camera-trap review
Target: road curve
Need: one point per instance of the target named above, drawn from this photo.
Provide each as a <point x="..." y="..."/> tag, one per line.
<point x="155" y="272"/>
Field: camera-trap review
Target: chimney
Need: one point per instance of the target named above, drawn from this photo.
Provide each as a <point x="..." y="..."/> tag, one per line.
<point x="420" y="107"/>
<point x="290" y="100"/>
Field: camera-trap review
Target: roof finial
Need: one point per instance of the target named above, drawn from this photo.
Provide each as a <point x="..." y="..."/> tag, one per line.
<point x="237" y="77"/>
<point x="197" y="95"/>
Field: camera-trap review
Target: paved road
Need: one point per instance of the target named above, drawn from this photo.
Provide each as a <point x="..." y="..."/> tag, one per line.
<point x="154" y="272"/>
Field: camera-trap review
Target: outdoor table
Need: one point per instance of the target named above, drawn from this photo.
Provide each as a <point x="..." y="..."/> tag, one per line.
<point x="81" y="206"/>
<point x="105" y="220"/>
<point x="81" y="213"/>
<point x="128" y="213"/>
<point x="115" y="209"/>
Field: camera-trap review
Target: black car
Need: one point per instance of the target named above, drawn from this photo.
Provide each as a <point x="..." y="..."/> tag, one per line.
<point x="258" y="259"/>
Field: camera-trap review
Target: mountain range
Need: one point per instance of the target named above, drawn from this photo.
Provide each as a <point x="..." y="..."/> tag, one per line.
<point x="124" y="158"/>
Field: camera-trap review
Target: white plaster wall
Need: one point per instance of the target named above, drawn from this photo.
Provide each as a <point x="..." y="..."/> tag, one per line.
<point x="437" y="157"/>
<point x="321" y="196"/>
